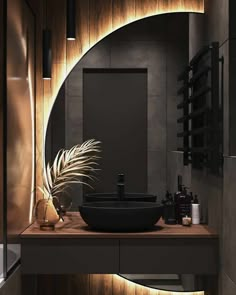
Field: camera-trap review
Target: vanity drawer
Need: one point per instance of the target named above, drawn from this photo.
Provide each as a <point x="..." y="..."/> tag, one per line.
<point x="58" y="256"/>
<point x="182" y="256"/>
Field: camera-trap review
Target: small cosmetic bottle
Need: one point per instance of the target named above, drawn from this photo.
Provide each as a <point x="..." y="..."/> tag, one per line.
<point x="195" y="211"/>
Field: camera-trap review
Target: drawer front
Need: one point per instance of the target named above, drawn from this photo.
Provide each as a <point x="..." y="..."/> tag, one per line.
<point x="58" y="256"/>
<point x="182" y="256"/>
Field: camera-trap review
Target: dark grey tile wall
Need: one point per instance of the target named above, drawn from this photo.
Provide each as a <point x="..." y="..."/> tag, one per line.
<point x="232" y="93"/>
<point x="224" y="51"/>
<point x="228" y="287"/>
<point x="209" y="189"/>
<point x="175" y="167"/>
<point x="197" y="29"/>
<point x="219" y="23"/>
<point x="229" y="218"/>
<point x="217" y="20"/>
<point x="159" y="44"/>
<point x="202" y="31"/>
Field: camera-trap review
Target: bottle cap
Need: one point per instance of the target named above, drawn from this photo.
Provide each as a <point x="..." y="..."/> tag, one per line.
<point x="195" y="201"/>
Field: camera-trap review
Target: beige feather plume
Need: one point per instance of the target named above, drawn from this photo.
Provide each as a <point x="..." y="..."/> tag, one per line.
<point x="71" y="166"/>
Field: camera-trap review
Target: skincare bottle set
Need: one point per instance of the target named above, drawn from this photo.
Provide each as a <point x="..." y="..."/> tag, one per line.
<point x="183" y="208"/>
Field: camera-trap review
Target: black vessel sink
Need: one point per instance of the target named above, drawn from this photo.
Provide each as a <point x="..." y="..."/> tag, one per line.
<point x="121" y="215"/>
<point x="137" y="197"/>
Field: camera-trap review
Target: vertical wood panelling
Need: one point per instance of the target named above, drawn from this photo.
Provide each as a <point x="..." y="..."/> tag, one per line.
<point x="118" y="285"/>
<point x="129" y="288"/>
<point x="192" y="5"/>
<point x="100" y="284"/>
<point x="100" y="19"/>
<point x="123" y="12"/>
<point x="76" y="48"/>
<point x="37" y="7"/>
<point x="95" y="284"/>
<point x="2" y="70"/>
<point x="56" y="20"/>
<point x="146" y="8"/>
<point x="47" y="93"/>
<point x="59" y="71"/>
<point x="141" y="290"/>
<point x="78" y="284"/>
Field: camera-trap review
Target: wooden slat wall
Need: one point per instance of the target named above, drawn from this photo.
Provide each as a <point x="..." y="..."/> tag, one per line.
<point x="75" y="49"/>
<point x="123" y="12"/>
<point x="100" y="19"/>
<point x="2" y="27"/>
<point x="37" y="7"/>
<point x="95" y="20"/>
<point x="95" y="285"/>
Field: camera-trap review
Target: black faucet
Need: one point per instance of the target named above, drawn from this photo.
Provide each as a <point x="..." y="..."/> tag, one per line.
<point x="121" y="187"/>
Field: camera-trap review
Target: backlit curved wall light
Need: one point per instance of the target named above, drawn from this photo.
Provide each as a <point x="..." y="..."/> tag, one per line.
<point x="70" y="19"/>
<point x="152" y="291"/>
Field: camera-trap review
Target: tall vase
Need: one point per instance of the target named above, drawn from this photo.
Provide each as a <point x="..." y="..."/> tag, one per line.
<point x="46" y="214"/>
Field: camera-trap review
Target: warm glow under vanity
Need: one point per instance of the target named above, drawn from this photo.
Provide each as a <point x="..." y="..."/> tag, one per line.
<point x="73" y="248"/>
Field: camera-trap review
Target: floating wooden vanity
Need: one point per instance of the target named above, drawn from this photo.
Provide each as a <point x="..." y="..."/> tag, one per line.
<point x="74" y="248"/>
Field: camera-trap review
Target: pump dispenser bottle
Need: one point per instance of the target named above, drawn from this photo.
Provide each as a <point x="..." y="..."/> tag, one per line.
<point x="195" y="211"/>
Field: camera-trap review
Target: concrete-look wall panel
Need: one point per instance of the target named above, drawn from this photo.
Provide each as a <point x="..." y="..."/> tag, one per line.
<point x="197" y="30"/>
<point x="157" y="123"/>
<point x="175" y="63"/>
<point x="172" y="127"/>
<point x="229" y="218"/>
<point x="157" y="174"/>
<point x="98" y="56"/>
<point x="217" y="20"/>
<point x="228" y="287"/>
<point x="175" y="167"/>
<point x="74" y="121"/>
<point x="232" y="93"/>
<point x="208" y="187"/>
<point x="224" y="52"/>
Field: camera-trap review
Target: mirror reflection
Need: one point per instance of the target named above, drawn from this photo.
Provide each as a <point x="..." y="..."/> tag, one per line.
<point x="172" y="282"/>
<point x="123" y="92"/>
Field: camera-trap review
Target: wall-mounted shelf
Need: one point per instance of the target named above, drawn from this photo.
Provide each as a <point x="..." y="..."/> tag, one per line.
<point x="202" y="110"/>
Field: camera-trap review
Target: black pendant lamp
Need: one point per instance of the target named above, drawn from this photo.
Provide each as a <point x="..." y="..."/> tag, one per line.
<point x="47" y="54"/>
<point x="47" y="51"/>
<point x="70" y="20"/>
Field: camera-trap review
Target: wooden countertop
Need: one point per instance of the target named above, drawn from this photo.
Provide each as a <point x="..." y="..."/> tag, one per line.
<point x="75" y="227"/>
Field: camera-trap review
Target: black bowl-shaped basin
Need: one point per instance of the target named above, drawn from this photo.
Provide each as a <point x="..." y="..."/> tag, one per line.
<point x="121" y="216"/>
<point x="104" y="197"/>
